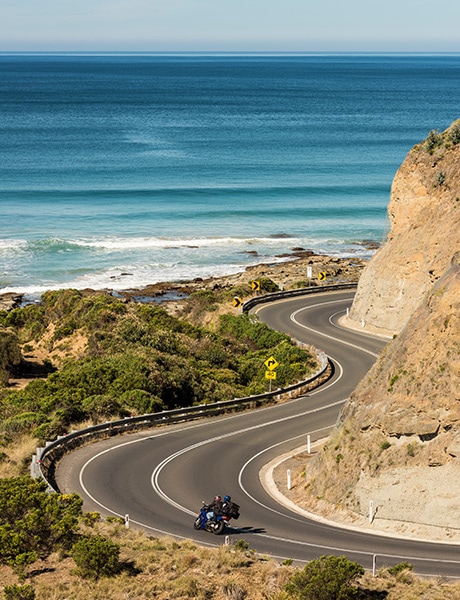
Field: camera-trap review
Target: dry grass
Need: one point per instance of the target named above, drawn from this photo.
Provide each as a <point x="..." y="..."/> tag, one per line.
<point x="17" y="456"/>
<point x="165" y="569"/>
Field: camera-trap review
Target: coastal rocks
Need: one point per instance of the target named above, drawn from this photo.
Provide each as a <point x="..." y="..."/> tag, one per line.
<point x="287" y="274"/>
<point x="10" y="300"/>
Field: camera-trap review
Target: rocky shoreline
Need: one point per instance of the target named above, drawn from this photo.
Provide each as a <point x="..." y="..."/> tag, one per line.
<point x="287" y="275"/>
<point x="292" y="272"/>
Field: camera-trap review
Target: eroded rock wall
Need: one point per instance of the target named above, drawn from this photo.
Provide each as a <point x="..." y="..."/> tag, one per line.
<point x="424" y="213"/>
<point x="398" y="441"/>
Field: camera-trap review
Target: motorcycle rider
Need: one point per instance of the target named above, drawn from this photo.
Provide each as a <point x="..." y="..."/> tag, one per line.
<point x="214" y="509"/>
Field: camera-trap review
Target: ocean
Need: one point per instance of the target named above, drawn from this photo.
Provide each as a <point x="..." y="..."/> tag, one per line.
<point x="118" y="171"/>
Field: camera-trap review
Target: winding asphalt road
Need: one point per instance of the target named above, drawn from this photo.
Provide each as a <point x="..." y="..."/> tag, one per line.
<point x="160" y="477"/>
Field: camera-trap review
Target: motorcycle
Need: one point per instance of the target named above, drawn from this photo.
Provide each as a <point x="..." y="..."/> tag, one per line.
<point x="215" y="525"/>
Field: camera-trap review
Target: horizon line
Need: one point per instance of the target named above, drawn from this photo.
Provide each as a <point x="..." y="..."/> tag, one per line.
<point x="235" y="52"/>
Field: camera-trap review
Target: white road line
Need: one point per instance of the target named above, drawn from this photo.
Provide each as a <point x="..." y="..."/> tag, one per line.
<point x="325" y="335"/>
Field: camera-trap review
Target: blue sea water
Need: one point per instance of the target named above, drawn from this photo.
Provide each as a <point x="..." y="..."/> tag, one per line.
<point x="117" y="171"/>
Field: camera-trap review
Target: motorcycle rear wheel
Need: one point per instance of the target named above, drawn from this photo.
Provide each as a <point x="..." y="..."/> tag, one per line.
<point x="218" y="528"/>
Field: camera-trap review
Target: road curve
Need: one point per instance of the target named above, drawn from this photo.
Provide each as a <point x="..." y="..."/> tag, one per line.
<point x="161" y="476"/>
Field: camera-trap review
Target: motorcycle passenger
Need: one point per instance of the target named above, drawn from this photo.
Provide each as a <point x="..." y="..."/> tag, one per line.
<point x="214" y="509"/>
<point x="226" y="505"/>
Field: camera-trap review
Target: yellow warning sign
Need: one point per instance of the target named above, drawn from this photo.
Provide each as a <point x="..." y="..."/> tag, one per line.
<point x="271" y="363"/>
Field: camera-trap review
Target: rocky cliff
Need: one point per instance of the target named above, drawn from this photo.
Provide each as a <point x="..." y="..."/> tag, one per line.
<point x="398" y="442"/>
<point x="424" y="212"/>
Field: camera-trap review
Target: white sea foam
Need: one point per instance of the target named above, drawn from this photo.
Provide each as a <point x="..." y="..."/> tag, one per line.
<point x="138" y="276"/>
<point x="120" y="243"/>
<point x="12" y="244"/>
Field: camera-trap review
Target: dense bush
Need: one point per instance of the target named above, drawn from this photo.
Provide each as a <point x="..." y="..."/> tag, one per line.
<point x="268" y="285"/>
<point x="18" y="592"/>
<point x="34" y="523"/>
<point x="139" y="359"/>
<point x="10" y="353"/>
<point x="249" y="331"/>
<point x="96" y="556"/>
<point x="326" y="578"/>
<point x="31" y="320"/>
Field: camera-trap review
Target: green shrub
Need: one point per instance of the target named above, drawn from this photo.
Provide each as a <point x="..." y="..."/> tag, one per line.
<point x="411" y="449"/>
<point x="102" y="407"/>
<point x="200" y="301"/>
<point x="433" y="140"/>
<point x="34" y="523"/>
<point x="22" y="423"/>
<point x="31" y="320"/>
<point x="326" y="578"/>
<point x="250" y="331"/>
<point x="268" y="285"/>
<point x="454" y="134"/>
<point x="440" y="179"/>
<point x="241" y="545"/>
<point x="18" y="592"/>
<point x="91" y="518"/>
<point x="95" y="557"/>
<point x="140" y="402"/>
<point x="399" y="568"/>
<point x="10" y="353"/>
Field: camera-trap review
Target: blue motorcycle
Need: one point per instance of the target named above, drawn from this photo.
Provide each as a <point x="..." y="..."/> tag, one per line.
<point x="215" y="525"/>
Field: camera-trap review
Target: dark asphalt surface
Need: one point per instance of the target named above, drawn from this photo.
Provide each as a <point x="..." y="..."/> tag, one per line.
<point x="161" y="476"/>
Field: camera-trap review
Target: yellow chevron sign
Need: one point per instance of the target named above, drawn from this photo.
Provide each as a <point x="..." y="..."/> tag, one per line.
<point x="255" y="286"/>
<point x="322" y="275"/>
<point x="237" y="302"/>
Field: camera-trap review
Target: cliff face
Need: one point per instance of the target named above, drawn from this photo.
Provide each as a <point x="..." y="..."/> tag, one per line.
<point x="398" y="442"/>
<point x="424" y="212"/>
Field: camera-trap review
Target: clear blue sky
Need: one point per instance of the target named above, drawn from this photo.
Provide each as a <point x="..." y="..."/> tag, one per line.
<point x="231" y="25"/>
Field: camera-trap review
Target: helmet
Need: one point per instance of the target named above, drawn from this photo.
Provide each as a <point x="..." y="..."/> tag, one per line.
<point x="227" y="498"/>
<point x="218" y="498"/>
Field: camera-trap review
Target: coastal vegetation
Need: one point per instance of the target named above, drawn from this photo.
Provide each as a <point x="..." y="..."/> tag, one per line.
<point x="105" y="358"/>
<point x="86" y="356"/>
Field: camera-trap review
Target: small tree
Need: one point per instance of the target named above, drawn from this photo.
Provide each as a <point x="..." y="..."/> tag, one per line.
<point x="326" y="578"/>
<point x="96" y="556"/>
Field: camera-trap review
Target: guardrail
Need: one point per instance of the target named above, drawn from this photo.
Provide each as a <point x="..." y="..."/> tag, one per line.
<point x="44" y="460"/>
<point x="294" y="293"/>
